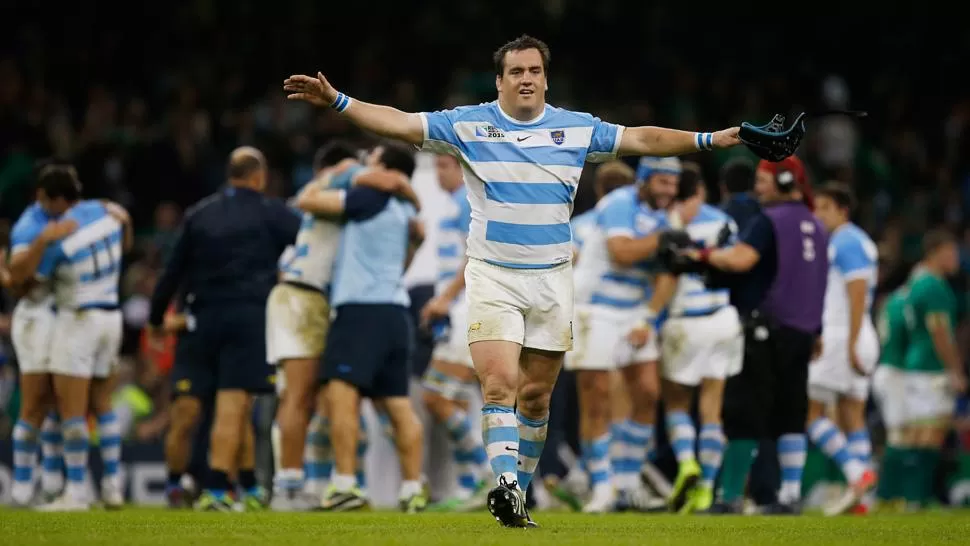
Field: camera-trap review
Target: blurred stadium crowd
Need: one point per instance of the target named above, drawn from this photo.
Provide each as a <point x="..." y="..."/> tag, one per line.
<point x="148" y="109"/>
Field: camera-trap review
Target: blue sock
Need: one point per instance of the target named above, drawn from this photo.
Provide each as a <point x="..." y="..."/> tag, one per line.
<point x="629" y="450"/>
<point x="791" y="458"/>
<point x="596" y="459"/>
<point x="469" y="453"/>
<point x="362" y="444"/>
<point x="500" y="434"/>
<point x="52" y="455"/>
<point x="710" y="452"/>
<point x="24" y="459"/>
<point x="317" y="454"/>
<point x="860" y="446"/>
<point x="682" y="434"/>
<point x="76" y="445"/>
<point x="532" y="438"/>
<point x="109" y="435"/>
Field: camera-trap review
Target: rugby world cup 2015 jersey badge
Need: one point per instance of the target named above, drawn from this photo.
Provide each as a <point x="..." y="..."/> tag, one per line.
<point x="558" y="136"/>
<point x="489" y="131"/>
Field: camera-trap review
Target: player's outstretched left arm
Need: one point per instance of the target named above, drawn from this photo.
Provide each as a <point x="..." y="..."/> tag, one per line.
<point x="662" y="142"/>
<point x="383" y="120"/>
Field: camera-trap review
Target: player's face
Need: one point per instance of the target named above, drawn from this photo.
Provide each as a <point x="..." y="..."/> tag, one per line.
<point x="950" y="258"/>
<point x="523" y="83"/>
<point x="765" y="187"/>
<point x="450" y="176"/>
<point x="53" y="207"/>
<point x="662" y="188"/>
<point x="828" y="212"/>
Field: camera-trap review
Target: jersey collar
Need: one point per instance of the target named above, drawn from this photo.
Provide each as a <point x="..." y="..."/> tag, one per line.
<point x="532" y="121"/>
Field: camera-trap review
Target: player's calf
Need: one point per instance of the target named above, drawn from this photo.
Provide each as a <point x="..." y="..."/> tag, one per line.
<point x="183" y="417"/>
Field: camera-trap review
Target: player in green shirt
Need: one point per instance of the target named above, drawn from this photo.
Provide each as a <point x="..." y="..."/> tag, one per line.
<point x="889" y="389"/>
<point x="932" y="367"/>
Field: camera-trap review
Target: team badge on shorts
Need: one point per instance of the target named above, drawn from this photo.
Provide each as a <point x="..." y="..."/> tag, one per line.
<point x="183" y="385"/>
<point x="558" y="136"/>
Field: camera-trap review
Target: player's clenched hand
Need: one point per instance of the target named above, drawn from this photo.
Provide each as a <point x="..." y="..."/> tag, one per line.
<point x="639" y="336"/>
<point x="174" y="323"/>
<point x="316" y="91"/>
<point x="435" y="308"/>
<point x="726" y="138"/>
<point x="117" y="212"/>
<point x="57" y="230"/>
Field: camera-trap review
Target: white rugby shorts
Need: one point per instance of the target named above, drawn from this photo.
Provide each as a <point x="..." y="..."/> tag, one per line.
<point x="297" y="320"/>
<point x="31" y="328"/>
<point x="601" y="343"/>
<point x="911" y="397"/>
<point x="455" y="349"/>
<point x="86" y="342"/>
<point x="832" y="375"/>
<point x="704" y="347"/>
<point x="532" y="307"/>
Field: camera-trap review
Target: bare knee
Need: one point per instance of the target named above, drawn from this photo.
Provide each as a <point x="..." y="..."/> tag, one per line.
<point x="407" y="426"/>
<point x="437" y="405"/>
<point x="184" y="415"/>
<point x="645" y="388"/>
<point x="497" y="364"/>
<point x="594" y="394"/>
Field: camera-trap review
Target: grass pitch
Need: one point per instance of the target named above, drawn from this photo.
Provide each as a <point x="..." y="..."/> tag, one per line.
<point x="161" y="527"/>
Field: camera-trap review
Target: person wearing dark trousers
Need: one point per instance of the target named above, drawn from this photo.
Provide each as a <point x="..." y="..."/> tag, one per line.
<point x="225" y="261"/>
<point x="777" y="273"/>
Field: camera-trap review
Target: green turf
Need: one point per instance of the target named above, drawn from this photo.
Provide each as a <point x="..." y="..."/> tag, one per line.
<point x="152" y="526"/>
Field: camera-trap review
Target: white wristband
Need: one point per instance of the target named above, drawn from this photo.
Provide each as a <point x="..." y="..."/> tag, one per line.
<point x="704" y="141"/>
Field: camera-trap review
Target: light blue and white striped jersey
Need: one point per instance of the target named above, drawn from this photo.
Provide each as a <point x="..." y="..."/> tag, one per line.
<point x="25" y="231"/>
<point x="452" y="234"/>
<point x="310" y="262"/>
<point x="370" y="262"/>
<point x="852" y="255"/>
<point x="85" y="266"/>
<point x="693" y="298"/>
<point x="521" y="176"/>
<point x="582" y="226"/>
<point x="621" y="213"/>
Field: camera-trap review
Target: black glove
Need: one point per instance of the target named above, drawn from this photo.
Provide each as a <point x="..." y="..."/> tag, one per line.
<point x="773" y="142"/>
<point x="671" y="253"/>
<point x="723" y="236"/>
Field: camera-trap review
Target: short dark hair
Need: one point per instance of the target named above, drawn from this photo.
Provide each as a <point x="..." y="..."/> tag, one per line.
<point x="738" y="175"/>
<point x="332" y="153"/>
<point x="612" y="175"/>
<point x="59" y="180"/>
<point x="521" y="43"/>
<point x="689" y="184"/>
<point x="397" y="157"/>
<point x="243" y="165"/>
<point x="936" y="239"/>
<point x="841" y="193"/>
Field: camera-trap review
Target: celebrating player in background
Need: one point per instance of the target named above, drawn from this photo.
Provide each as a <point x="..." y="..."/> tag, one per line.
<point x="523" y="160"/>
<point x="850" y="347"/>
<point x="614" y="274"/>
<point x="85" y="268"/>
<point x="297" y="319"/>
<point x="934" y="370"/>
<point x="451" y="373"/>
<point x="31" y="333"/>
<point x="378" y="243"/>
<point x="702" y="345"/>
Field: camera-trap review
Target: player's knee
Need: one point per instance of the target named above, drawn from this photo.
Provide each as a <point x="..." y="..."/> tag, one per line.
<point x="645" y="388"/>
<point x="534" y="399"/>
<point x="184" y="415"/>
<point x="710" y="407"/>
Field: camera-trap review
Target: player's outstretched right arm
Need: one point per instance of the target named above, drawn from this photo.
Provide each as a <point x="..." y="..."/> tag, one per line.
<point x="383" y="120"/>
